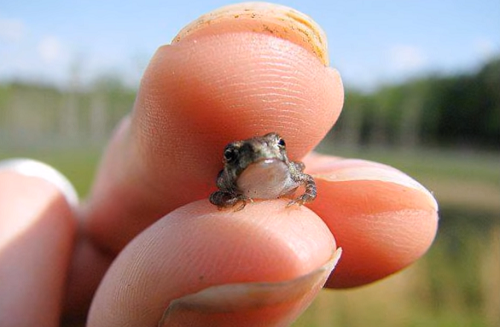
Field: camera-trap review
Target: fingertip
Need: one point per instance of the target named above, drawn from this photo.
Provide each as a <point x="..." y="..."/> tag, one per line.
<point x="37" y="228"/>
<point x="265" y="18"/>
<point x="198" y="246"/>
<point x="270" y="303"/>
<point x="383" y="219"/>
<point x="271" y="85"/>
<point x="34" y="168"/>
<point x="28" y="190"/>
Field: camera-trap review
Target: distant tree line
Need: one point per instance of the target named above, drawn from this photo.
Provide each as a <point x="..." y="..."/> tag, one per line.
<point x="458" y="111"/>
<point x="41" y="115"/>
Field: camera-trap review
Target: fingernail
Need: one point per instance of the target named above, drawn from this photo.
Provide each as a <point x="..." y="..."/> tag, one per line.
<point x="33" y="168"/>
<point x="199" y="308"/>
<point x="356" y="170"/>
<point x="260" y="17"/>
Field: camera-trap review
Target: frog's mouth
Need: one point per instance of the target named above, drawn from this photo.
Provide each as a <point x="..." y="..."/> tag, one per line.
<point x="265" y="178"/>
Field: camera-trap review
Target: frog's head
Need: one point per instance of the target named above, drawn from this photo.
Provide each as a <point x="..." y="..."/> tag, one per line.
<point x="240" y="154"/>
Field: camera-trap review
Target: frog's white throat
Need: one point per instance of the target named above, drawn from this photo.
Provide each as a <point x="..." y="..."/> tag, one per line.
<point x="266" y="179"/>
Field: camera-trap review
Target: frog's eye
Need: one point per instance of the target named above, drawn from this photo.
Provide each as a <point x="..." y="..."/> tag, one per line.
<point x="281" y="143"/>
<point x="230" y="155"/>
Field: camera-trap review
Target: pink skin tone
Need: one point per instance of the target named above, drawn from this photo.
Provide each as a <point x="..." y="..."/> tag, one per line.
<point x="195" y="97"/>
<point x="37" y="231"/>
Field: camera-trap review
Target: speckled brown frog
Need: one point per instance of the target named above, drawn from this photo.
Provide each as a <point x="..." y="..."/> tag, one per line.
<point x="259" y="168"/>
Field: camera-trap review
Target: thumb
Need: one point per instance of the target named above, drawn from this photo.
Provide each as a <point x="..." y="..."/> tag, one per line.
<point x="199" y="266"/>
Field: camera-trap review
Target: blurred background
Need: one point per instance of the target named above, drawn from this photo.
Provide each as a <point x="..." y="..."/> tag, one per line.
<point x="422" y="94"/>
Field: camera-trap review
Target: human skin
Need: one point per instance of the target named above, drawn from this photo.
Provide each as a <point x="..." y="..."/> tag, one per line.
<point x="147" y="224"/>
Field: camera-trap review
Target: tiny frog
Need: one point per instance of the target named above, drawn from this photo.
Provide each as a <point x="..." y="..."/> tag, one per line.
<point x="259" y="168"/>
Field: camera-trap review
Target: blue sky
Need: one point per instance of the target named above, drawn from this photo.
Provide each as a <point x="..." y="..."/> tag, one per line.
<point x="369" y="41"/>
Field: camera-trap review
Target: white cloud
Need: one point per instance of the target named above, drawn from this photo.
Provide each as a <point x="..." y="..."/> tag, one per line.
<point x="485" y="47"/>
<point x="355" y="74"/>
<point x="51" y="49"/>
<point x="11" y="29"/>
<point x="407" y="57"/>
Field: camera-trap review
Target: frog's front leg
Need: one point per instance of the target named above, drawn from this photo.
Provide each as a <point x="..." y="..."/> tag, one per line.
<point x="223" y="199"/>
<point x="310" y="185"/>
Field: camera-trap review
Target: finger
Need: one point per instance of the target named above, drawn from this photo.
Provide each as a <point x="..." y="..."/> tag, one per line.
<point x="382" y="219"/>
<point x="36" y="238"/>
<point x="87" y="268"/>
<point x="227" y="76"/>
<point x="202" y="260"/>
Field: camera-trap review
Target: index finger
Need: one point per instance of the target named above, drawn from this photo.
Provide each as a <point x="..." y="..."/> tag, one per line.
<point x="231" y="77"/>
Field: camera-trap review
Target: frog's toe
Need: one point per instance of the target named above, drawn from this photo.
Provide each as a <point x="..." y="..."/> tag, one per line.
<point x="241" y="206"/>
<point x="301" y="200"/>
<point x="241" y="199"/>
<point x="294" y="202"/>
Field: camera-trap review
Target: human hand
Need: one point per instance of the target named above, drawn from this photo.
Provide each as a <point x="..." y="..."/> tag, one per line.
<point x="243" y="74"/>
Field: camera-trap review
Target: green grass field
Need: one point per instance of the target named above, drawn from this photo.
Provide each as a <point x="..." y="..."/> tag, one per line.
<point x="456" y="284"/>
